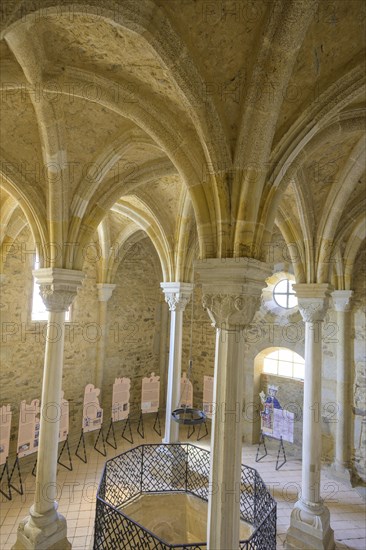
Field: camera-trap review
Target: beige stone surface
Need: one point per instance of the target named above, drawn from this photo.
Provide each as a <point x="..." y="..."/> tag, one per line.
<point x="175" y="518"/>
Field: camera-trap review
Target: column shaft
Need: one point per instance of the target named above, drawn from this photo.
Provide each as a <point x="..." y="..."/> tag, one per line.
<point x="226" y="441"/>
<point x="50" y="414"/>
<point x="311" y="441"/>
<point x="174" y="376"/>
<point x="101" y="345"/>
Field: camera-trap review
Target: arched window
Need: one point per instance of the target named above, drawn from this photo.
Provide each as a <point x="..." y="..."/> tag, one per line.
<point x="39" y="312"/>
<point x="284" y="362"/>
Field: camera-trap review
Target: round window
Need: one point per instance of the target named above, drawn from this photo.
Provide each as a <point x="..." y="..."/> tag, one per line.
<point x="284" y="295"/>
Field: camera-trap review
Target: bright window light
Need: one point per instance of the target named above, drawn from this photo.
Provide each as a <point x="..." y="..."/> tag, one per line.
<point x="284" y="362"/>
<point x="284" y="295"/>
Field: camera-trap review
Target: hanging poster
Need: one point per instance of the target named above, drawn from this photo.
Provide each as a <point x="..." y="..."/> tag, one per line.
<point x="5" y="425"/>
<point x="186" y="392"/>
<point x="208" y="405"/>
<point x="64" y="419"/>
<point x="150" y="394"/>
<point x="92" y="412"/>
<point x="121" y="399"/>
<point x="28" y="434"/>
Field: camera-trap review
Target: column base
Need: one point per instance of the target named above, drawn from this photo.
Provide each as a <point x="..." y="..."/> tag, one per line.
<point x="42" y="532"/>
<point x="309" y="528"/>
<point x="340" y="473"/>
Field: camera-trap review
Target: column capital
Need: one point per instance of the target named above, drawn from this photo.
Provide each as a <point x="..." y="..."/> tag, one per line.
<point x="58" y="287"/>
<point x="342" y="299"/>
<point x="177" y="295"/>
<point x="231" y="289"/>
<point x="105" y="291"/>
<point x="313" y="300"/>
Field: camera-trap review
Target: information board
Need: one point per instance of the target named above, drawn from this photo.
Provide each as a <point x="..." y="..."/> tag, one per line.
<point x="28" y="434"/>
<point x="186" y="392"/>
<point x="283" y="425"/>
<point x="5" y="426"/>
<point x="150" y="394"/>
<point x="121" y="399"/>
<point x="92" y="412"/>
<point x="208" y="405"/>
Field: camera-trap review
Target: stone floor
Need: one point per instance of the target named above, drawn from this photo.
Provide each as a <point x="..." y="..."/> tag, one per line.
<point x="76" y="496"/>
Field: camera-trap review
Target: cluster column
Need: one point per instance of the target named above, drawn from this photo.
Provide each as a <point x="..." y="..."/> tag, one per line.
<point x="231" y="295"/>
<point x="310" y="520"/>
<point x="177" y="295"/>
<point x="45" y="528"/>
<point x="105" y="292"/>
<point x="342" y="305"/>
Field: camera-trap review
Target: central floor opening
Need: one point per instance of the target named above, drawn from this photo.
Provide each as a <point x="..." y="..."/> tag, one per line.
<point x="187" y="525"/>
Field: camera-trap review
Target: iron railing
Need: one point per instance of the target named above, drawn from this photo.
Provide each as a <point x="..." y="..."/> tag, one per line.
<point x="172" y="468"/>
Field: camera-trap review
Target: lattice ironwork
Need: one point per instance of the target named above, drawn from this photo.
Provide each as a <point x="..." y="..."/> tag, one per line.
<point x="198" y="471"/>
<point x="170" y="469"/>
<point x="164" y="468"/>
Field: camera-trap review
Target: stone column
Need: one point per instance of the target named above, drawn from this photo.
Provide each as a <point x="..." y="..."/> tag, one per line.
<point x="341" y="465"/>
<point x="231" y="291"/>
<point x="105" y="291"/>
<point x="177" y="295"/>
<point x="310" y="520"/>
<point x="45" y="528"/>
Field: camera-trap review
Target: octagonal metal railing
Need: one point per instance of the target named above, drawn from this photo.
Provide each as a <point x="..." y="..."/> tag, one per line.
<point x="172" y="468"/>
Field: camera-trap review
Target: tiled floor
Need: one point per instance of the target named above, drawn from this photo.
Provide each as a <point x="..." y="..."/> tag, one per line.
<point x="76" y="497"/>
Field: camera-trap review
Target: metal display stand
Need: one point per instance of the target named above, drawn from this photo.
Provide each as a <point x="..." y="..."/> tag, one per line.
<point x="111" y="429"/>
<point x="127" y="425"/>
<point x="16" y="465"/>
<point x="5" y="470"/>
<point x="140" y="426"/>
<point x="100" y="434"/>
<point x="199" y="437"/>
<point x="65" y="445"/>
<point x="281" y="450"/>
<point x="81" y="440"/>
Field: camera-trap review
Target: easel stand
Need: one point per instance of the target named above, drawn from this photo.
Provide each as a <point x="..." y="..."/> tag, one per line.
<point x="17" y="466"/>
<point x="280" y="452"/>
<point x="199" y="437"/>
<point x="82" y="441"/>
<point x="140" y="426"/>
<point x="65" y="446"/>
<point x="127" y="425"/>
<point x="111" y="429"/>
<point x="5" y="470"/>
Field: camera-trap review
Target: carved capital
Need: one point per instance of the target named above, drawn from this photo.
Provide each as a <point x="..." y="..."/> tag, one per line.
<point x="232" y="289"/>
<point x="177" y="295"/>
<point x="58" y="287"/>
<point x="105" y="291"/>
<point x="342" y="299"/>
<point x="313" y="300"/>
<point x="230" y="310"/>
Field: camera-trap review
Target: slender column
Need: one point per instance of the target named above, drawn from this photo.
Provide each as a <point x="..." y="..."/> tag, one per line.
<point x="105" y="291"/>
<point x="341" y="465"/>
<point x="231" y="295"/>
<point x="177" y="295"/>
<point x="45" y="527"/>
<point x="163" y="351"/>
<point x="309" y="524"/>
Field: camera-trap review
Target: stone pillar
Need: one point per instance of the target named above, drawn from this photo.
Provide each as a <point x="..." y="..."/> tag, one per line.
<point x="45" y="528"/>
<point x="231" y="291"/>
<point x="177" y="295"/>
<point x="105" y="291"/>
<point x="310" y="520"/>
<point x="341" y="466"/>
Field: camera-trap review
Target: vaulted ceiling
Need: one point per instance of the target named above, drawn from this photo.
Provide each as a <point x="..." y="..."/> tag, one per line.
<point x="201" y="124"/>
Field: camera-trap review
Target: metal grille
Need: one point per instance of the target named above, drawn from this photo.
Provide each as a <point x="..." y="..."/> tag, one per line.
<point x="170" y="469"/>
